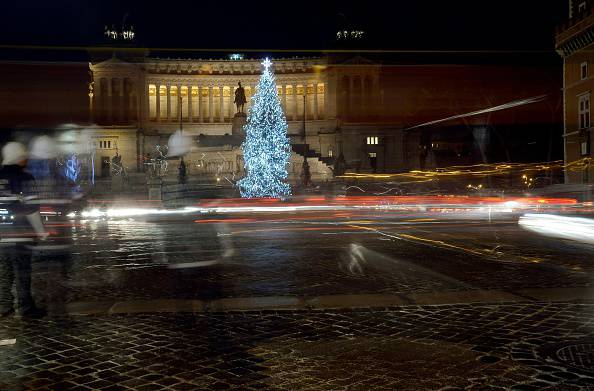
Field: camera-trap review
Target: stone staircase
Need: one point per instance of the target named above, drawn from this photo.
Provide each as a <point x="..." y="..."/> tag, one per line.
<point x="311" y="153"/>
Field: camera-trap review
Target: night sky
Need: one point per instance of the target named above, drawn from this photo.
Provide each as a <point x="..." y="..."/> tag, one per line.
<point x="525" y="25"/>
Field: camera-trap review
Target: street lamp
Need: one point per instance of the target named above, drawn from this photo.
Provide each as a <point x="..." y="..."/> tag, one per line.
<point x="305" y="174"/>
<point x="182" y="165"/>
<point x="181" y="111"/>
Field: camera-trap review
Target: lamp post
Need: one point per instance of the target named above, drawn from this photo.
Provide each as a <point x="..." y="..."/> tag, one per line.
<point x="305" y="174"/>
<point x="181" y="111"/>
<point x="182" y="177"/>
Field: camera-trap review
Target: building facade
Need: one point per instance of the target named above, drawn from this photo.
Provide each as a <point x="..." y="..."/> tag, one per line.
<point x="135" y="106"/>
<point x="391" y="117"/>
<point x="575" y="43"/>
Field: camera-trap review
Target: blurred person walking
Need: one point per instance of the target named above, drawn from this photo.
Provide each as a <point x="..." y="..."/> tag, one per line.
<point x="56" y="192"/>
<point x="16" y="187"/>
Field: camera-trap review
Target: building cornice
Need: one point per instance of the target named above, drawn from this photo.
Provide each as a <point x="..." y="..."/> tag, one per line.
<point x="231" y="79"/>
<point x="230" y="67"/>
<point x="575" y="35"/>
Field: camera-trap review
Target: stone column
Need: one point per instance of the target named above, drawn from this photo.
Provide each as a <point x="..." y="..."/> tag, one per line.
<point x="330" y="90"/>
<point x="221" y="105"/>
<point x="99" y="108"/>
<point x="315" y="101"/>
<point x="231" y="104"/>
<point x="121" y="100"/>
<point x="168" y="102"/>
<point x="351" y="96"/>
<point x="210" y="104"/>
<point x="294" y="116"/>
<point x="91" y="98"/>
<point x="109" y="101"/>
<point x="141" y="101"/>
<point x="190" y="108"/>
<point x="200" y="104"/>
<point x="362" y="97"/>
<point x="285" y="100"/>
<point x="180" y="104"/>
<point x="158" y="102"/>
<point x="130" y="102"/>
<point x="376" y="96"/>
<point x="247" y="99"/>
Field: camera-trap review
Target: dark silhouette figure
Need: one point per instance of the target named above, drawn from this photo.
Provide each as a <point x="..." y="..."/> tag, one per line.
<point x="16" y="254"/>
<point x="183" y="176"/>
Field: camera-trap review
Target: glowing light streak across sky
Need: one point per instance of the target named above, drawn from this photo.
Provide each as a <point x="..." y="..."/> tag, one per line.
<point x="505" y="106"/>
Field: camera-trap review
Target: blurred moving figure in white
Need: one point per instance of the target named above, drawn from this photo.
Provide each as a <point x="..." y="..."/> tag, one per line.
<point x="16" y="189"/>
<point x="178" y="146"/>
<point x="57" y="196"/>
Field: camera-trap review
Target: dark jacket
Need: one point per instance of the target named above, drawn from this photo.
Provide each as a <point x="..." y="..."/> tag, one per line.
<point x="16" y="185"/>
<point x="14" y="180"/>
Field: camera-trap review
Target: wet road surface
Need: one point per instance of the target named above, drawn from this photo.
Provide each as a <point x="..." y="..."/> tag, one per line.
<point x="317" y="301"/>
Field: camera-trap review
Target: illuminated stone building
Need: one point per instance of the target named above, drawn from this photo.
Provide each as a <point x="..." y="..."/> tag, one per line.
<point x="382" y="115"/>
<point x="574" y="42"/>
<point x="351" y="105"/>
<point x="137" y="105"/>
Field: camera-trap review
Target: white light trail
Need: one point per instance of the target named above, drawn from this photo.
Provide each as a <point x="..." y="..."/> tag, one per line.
<point x="578" y="229"/>
<point x="504" y="106"/>
<point x="133" y="212"/>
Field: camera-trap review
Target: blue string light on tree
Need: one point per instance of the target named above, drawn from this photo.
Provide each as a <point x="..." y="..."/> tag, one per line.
<point x="266" y="149"/>
<point x="72" y="168"/>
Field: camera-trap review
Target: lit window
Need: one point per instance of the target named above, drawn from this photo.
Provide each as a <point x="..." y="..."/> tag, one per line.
<point x="330" y="153"/>
<point x="584" y="111"/>
<point x="104" y="144"/>
<point x="584" y="148"/>
<point x="584" y="70"/>
<point x="372" y="154"/>
<point x="373" y="140"/>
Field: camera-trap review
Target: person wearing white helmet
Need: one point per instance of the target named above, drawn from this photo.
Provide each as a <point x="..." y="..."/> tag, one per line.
<point x="15" y="254"/>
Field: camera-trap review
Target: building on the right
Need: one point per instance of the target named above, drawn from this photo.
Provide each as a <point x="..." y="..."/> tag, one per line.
<point x="575" y="44"/>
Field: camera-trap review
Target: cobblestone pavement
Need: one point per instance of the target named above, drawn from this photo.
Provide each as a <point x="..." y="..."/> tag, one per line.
<point x="474" y="347"/>
<point x="125" y="272"/>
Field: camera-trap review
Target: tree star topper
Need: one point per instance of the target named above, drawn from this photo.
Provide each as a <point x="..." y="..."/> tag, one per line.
<point x="267" y="63"/>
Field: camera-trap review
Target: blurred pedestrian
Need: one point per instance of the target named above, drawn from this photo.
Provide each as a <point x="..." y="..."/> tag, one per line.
<point x="183" y="174"/>
<point x="16" y="186"/>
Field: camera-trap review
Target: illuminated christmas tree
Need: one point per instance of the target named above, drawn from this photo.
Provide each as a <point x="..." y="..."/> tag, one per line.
<point x="266" y="149"/>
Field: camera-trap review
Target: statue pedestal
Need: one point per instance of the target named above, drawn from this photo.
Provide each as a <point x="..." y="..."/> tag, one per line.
<point x="239" y="120"/>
